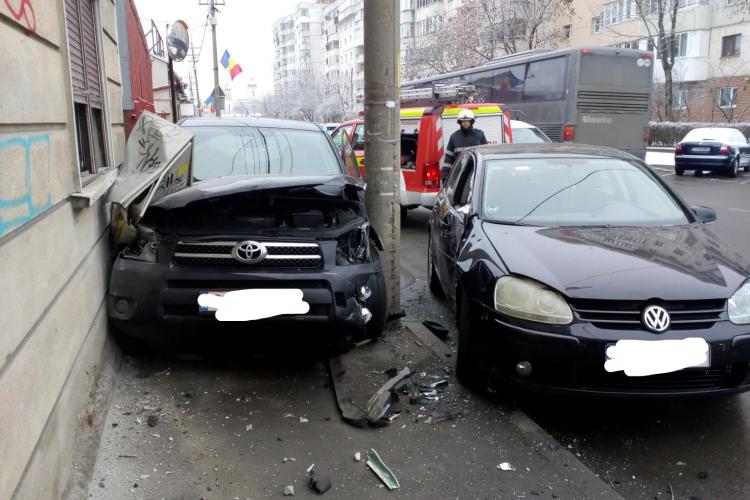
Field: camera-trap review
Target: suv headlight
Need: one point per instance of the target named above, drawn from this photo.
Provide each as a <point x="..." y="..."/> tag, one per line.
<point x="354" y="246"/>
<point x="527" y="299"/>
<point x="739" y="305"/>
<point x="145" y="249"/>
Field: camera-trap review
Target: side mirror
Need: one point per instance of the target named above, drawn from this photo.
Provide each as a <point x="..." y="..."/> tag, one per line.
<point x="704" y="214"/>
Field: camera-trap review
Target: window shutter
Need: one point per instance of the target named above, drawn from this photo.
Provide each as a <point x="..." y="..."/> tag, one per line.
<point x="84" y="57"/>
<point x="75" y="50"/>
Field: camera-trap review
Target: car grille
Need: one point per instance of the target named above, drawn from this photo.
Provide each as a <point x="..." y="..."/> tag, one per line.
<point x="220" y="285"/>
<point x="683" y="380"/>
<point x="219" y="254"/>
<point x="626" y="314"/>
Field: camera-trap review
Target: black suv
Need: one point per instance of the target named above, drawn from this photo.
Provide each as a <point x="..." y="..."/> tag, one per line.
<point x="241" y="204"/>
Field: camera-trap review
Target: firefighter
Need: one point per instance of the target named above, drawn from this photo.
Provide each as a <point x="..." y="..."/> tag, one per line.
<point x="462" y="138"/>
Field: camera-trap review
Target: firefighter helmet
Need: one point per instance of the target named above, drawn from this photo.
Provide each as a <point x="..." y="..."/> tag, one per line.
<point x="466" y="114"/>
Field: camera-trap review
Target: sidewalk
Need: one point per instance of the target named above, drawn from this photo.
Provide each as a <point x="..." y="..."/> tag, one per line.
<point x="237" y="428"/>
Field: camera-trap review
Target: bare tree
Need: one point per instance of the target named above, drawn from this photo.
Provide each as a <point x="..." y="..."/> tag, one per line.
<point x="482" y="30"/>
<point x="729" y="76"/>
<point x="659" y="19"/>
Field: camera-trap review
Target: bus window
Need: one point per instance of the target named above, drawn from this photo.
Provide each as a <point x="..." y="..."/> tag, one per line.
<point x="545" y="80"/>
<point x="508" y="83"/>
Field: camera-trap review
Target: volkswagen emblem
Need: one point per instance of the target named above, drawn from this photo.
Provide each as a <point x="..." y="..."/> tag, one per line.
<point x="656" y="319"/>
<point x="249" y="252"/>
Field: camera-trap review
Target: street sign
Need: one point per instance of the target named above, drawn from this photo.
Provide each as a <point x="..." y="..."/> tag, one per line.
<point x="178" y="41"/>
<point x="218" y="96"/>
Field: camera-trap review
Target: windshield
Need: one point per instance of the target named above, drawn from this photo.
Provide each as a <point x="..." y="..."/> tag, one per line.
<point x="529" y="136"/>
<point x="225" y="151"/>
<point x="554" y="192"/>
<point x="709" y="134"/>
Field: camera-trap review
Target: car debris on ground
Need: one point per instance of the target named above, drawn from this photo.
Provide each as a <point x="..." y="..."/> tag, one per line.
<point x="376" y="464"/>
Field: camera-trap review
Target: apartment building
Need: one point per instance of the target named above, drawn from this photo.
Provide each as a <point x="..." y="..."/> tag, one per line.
<point x="298" y="45"/>
<point x="344" y="47"/>
<point x="712" y="52"/>
<point x="422" y="17"/>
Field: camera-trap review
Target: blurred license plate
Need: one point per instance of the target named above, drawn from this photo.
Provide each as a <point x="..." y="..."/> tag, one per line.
<point x="651" y="357"/>
<point x="700" y="150"/>
<point x="208" y="310"/>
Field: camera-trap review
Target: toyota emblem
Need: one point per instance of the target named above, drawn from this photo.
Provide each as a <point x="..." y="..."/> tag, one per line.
<point x="249" y="252"/>
<point x="656" y="319"/>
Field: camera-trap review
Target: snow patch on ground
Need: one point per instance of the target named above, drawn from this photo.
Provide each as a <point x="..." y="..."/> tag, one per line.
<point x="660" y="158"/>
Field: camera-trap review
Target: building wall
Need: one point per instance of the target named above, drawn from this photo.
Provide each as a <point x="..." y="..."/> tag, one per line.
<point x="54" y="257"/>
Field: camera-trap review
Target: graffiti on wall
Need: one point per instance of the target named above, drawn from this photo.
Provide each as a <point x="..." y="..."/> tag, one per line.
<point x="23" y="12"/>
<point x="24" y="179"/>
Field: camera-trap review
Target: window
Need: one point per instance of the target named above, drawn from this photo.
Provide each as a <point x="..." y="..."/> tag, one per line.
<point x="730" y="45"/>
<point x="545" y="80"/>
<point x="359" y="138"/>
<point x="407" y="30"/>
<point x="304" y="12"/>
<point x="596" y="24"/>
<point x="87" y="89"/>
<point x="566" y="31"/>
<point x="679" y="98"/>
<point x="462" y="195"/>
<point x="407" y="4"/>
<point x="728" y="97"/>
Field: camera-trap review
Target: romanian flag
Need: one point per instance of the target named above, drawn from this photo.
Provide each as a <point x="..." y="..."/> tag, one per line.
<point x="209" y="102"/>
<point x="230" y="64"/>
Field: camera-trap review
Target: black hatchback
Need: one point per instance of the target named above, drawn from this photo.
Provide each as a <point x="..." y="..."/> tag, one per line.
<point x="576" y="269"/>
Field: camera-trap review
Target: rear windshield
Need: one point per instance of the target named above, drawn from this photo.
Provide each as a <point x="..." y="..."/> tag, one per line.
<point x="226" y="151"/>
<point x="712" y="134"/>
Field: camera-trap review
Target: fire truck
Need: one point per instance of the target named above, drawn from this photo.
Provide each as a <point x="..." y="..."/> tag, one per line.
<point x="428" y="118"/>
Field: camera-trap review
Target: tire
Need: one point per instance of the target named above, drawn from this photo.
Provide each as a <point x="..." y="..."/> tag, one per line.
<point x="679" y="171"/>
<point x="378" y="302"/>
<point x="734" y="168"/>
<point x="432" y="277"/>
<point x="466" y="357"/>
<point x="404" y="214"/>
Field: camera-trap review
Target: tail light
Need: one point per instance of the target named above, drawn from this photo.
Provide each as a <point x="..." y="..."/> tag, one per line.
<point x="569" y="132"/>
<point x="725" y="150"/>
<point x="432" y="174"/>
<point x="678" y="149"/>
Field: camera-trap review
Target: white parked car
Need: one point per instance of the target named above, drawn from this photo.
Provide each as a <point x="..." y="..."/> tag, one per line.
<point x="526" y="133"/>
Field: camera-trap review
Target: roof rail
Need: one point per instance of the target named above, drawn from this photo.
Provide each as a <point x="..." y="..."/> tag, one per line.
<point x="515" y="55"/>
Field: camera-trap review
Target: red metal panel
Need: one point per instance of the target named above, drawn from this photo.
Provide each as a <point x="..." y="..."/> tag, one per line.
<point x="141" y="83"/>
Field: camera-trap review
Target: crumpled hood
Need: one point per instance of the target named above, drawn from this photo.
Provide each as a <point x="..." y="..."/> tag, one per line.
<point x="672" y="263"/>
<point x="335" y="186"/>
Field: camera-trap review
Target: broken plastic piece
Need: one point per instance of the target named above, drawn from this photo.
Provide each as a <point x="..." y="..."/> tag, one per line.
<point x="505" y="466"/>
<point x="442" y="415"/>
<point x="289" y="491"/>
<point x="437" y="329"/>
<point x="381" y="470"/>
<point x="437" y="383"/>
<point x="380" y="402"/>
<point x="357" y="457"/>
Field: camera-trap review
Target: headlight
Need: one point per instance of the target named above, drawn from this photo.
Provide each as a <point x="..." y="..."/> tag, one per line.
<point x="527" y="299"/>
<point x="739" y="305"/>
<point x="354" y="246"/>
<point x="145" y="248"/>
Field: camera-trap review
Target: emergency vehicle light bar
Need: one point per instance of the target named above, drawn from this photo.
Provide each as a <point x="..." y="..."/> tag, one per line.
<point x="440" y="93"/>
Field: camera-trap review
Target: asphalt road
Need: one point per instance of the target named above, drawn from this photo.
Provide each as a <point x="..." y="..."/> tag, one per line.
<point x="696" y="449"/>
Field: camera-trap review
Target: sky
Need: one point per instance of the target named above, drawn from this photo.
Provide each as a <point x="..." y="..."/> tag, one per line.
<point x="244" y="28"/>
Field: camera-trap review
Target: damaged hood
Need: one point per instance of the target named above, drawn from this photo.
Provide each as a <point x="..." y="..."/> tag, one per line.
<point x="336" y="186"/>
<point x="158" y="159"/>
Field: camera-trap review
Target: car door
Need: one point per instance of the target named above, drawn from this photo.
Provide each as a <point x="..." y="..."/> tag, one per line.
<point x="740" y="142"/>
<point x="441" y="222"/>
<point x="455" y="219"/>
<point x="338" y="134"/>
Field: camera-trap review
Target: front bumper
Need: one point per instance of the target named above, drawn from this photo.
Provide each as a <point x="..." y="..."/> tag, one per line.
<point x="164" y="296"/>
<point x="573" y="362"/>
<point x="705" y="162"/>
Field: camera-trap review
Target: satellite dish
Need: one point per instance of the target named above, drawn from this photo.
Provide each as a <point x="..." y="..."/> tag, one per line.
<point x="178" y="41"/>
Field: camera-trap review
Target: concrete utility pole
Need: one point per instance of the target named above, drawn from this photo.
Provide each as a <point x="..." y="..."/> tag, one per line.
<point x="217" y="93"/>
<point x="382" y="136"/>
<point x="195" y="74"/>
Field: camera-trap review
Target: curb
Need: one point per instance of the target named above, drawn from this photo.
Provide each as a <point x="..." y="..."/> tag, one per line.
<point x="590" y="485"/>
